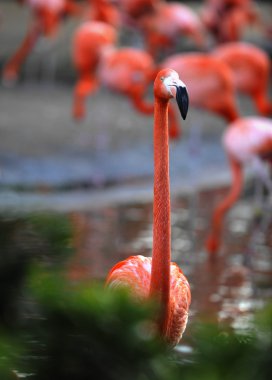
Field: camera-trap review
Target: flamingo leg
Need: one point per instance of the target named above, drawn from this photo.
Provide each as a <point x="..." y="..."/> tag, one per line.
<point x="86" y="85"/>
<point x="262" y="172"/>
<point x="258" y="194"/>
<point x="12" y="67"/>
<point x="263" y="181"/>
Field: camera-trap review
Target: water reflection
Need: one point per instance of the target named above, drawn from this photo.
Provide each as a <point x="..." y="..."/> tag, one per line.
<point x="228" y="290"/>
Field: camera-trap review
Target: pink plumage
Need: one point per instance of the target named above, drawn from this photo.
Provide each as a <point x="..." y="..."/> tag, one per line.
<point x="135" y="273"/>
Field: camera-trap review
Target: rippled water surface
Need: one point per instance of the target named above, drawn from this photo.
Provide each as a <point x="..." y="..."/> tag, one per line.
<point x="228" y="289"/>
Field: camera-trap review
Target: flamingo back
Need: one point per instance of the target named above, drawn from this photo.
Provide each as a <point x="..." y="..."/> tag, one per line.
<point x="249" y="64"/>
<point x="89" y="40"/>
<point x="53" y="5"/>
<point x="173" y="17"/>
<point x="127" y="70"/>
<point x="209" y="81"/>
<point x="135" y="273"/>
<point x="169" y="22"/>
<point x="137" y="8"/>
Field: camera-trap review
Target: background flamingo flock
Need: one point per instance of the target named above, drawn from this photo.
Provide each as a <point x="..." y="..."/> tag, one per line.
<point x="147" y="52"/>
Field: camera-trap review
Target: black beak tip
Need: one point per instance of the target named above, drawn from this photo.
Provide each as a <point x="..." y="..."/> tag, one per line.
<point x="183" y="101"/>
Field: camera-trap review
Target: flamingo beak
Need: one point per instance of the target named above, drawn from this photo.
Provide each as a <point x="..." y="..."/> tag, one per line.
<point x="182" y="100"/>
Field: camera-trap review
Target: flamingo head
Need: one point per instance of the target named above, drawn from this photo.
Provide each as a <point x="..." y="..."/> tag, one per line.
<point x="167" y="85"/>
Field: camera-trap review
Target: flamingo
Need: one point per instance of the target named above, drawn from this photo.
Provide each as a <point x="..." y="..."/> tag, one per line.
<point x="246" y="140"/>
<point x="225" y="19"/>
<point x="104" y="10"/>
<point x="158" y="277"/>
<point x="209" y="82"/>
<point x="251" y="69"/>
<point x="127" y="71"/>
<point x="167" y="24"/>
<point x="134" y="9"/>
<point x="89" y="40"/>
<point x="46" y="18"/>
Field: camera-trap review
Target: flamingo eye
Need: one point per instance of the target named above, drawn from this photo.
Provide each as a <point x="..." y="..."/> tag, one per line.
<point x="162" y="79"/>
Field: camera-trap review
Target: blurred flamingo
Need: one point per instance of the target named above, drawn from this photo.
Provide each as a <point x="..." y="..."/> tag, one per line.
<point x="104" y="10"/>
<point x="226" y="19"/>
<point x="209" y="82"/>
<point x="158" y="277"/>
<point x="246" y="141"/>
<point x="134" y="9"/>
<point x="127" y="71"/>
<point x="251" y="70"/>
<point x="167" y="24"/>
<point x="46" y="18"/>
<point x="89" y="40"/>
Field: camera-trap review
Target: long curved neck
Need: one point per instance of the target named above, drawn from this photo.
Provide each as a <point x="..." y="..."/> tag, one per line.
<point x="161" y="256"/>
<point x="141" y="105"/>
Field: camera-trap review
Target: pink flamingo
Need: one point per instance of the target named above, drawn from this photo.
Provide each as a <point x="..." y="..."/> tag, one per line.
<point x="226" y="19"/>
<point x="127" y="71"/>
<point x="104" y="10"/>
<point x="246" y="140"/>
<point x="167" y="24"/>
<point x="251" y="69"/>
<point x="46" y="18"/>
<point x="209" y="82"/>
<point x="88" y="43"/>
<point x="158" y="277"/>
<point x="134" y="9"/>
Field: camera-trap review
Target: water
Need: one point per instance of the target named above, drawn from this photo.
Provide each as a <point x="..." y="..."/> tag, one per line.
<point x="86" y="244"/>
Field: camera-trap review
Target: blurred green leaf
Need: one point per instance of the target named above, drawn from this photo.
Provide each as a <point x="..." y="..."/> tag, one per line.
<point x="10" y="351"/>
<point x="86" y="330"/>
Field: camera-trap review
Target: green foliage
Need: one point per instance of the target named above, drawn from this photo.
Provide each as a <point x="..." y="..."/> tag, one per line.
<point x="90" y="332"/>
<point x="52" y="234"/>
<point x="85" y="331"/>
<point x="9" y="353"/>
<point x="221" y="354"/>
<point x="42" y="237"/>
<point x="70" y="331"/>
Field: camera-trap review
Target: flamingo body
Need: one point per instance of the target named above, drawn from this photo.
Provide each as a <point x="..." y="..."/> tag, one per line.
<point x="248" y="137"/>
<point x="48" y="14"/>
<point x="245" y="141"/>
<point x="209" y="82"/>
<point x="104" y="10"/>
<point x="137" y="8"/>
<point x="226" y="19"/>
<point x="251" y="69"/>
<point x="127" y="70"/>
<point x="135" y="272"/>
<point x="54" y="5"/>
<point x="89" y="41"/>
<point x="168" y="23"/>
